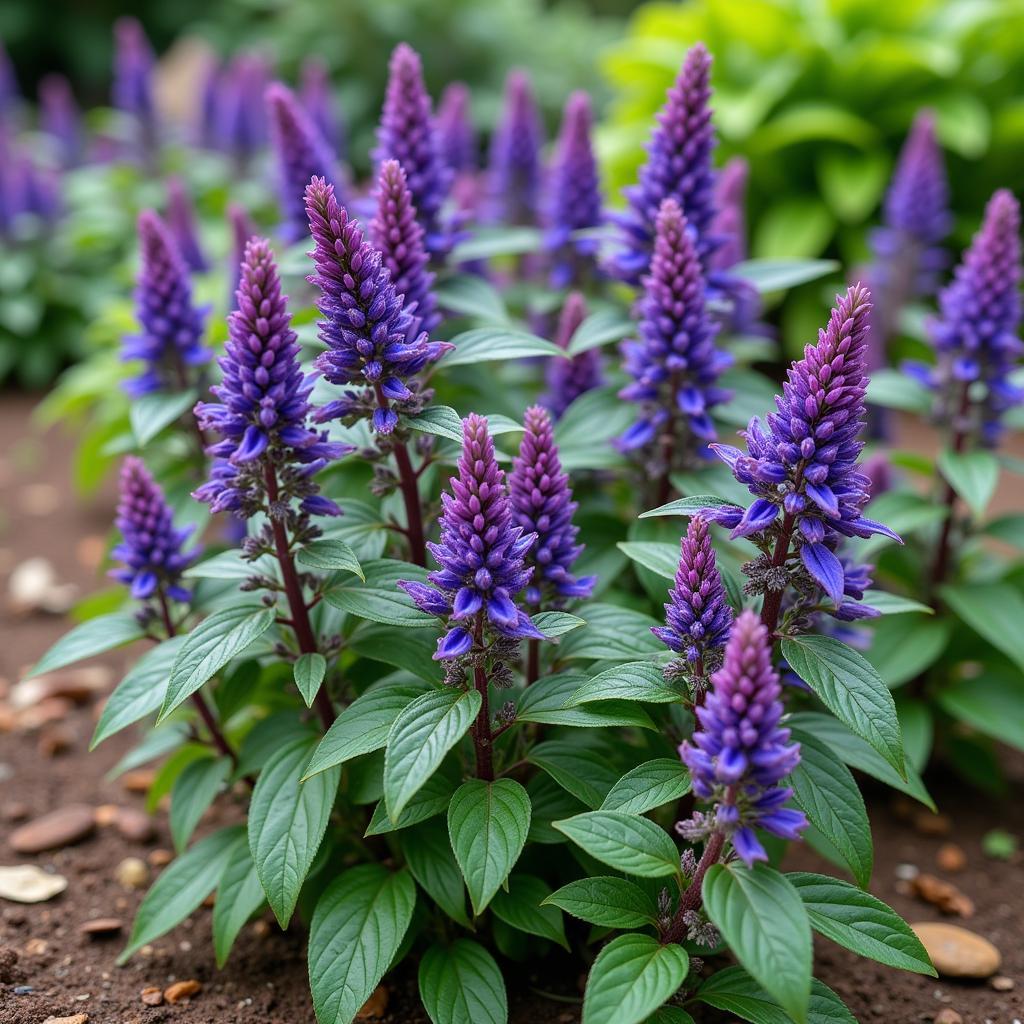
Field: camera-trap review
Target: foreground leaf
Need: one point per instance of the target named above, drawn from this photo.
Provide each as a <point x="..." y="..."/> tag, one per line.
<point x="973" y="475"/>
<point x="488" y="344"/>
<point x="993" y="610"/>
<point x="638" y="680"/>
<point x="691" y="506"/>
<point x="648" y="785"/>
<point x="378" y="598"/>
<point x="623" y="841"/>
<point x="779" y="275"/>
<point x="194" y="791"/>
<point x="735" y="991"/>
<point x="631" y="977"/>
<point x="239" y="896"/>
<point x="461" y="984"/>
<point x="523" y="906"/>
<point x="103" y="633"/>
<point x="428" y="853"/>
<point x="309" y="671"/>
<point x="607" y="901"/>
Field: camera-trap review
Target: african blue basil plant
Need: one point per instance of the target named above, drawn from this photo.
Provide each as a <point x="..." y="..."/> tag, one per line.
<point x="486" y="612"/>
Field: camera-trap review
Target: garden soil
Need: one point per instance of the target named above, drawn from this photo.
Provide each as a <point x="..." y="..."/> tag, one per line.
<point x="49" y="968"/>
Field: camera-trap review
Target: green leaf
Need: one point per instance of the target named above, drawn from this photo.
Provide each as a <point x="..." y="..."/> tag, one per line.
<point x="488" y="242"/>
<point x="648" y="785"/>
<point x="993" y="610"/>
<point x="631" y="977"/>
<point x="149" y="414"/>
<point x="993" y="703"/>
<point x="364" y="725"/>
<point x="581" y="770"/>
<point x="894" y="604"/>
<point x="471" y="295"/>
<point x="606" y="901"/>
<point x="691" y="506"/>
<point x="824" y="788"/>
<point x="443" y="421"/>
<point x="141" y="691"/>
<point x="357" y="929"/>
<point x="432" y="799"/>
<point x="612" y="633"/>
<point x="195" y="789"/>
<point x="239" y="896"/>
<point x="973" y="475"/>
<point x="779" y="275"/>
<point x="522" y="906"/>
<point x="428" y="854"/>
<point x="103" y="633"/>
<point x="1009" y="529"/>
<point x="181" y="887"/>
<point x="661" y="559"/>
<point x="895" y="390"/>
<point x="734" y="991"/>
<point x="669" y="1015"/>
<point x="330" y="555"/>
<point x="600" y="328"/>
<point x="638" y="680"/>
<point x="623" y="841"/>
<point x="209" y="647"/>
<point x="409" y="649"/>
<point x="379" y="598"/>
<point x="860" y="922"/>
<point x="488" y="823"/>
<point x="901" y="649"/>
<point x="287" y="821"/>
<point x="461" y="984"/>
<point x="544" y="702"/>
<point x="309" y="671"/>
<point x="851" y="689"/>
<point x="489" y="344"/>
<point x="763" y="919"/>
<point x="422" y="733"/>
<point x="233" y="565"/>
<point x="556" y="624"/>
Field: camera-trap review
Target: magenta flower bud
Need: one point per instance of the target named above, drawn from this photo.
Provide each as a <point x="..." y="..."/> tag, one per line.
<point x="316" y="96"/>
<point x="739" y="752"/>
<point x="567" y="379"/>
<point x="455" y="130"/>
<point x="182" y="222"/>
<point x="514" y="167"/>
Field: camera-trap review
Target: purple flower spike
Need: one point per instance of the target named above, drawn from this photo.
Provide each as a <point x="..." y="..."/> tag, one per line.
<point x="151" y="548"/>
<point x="396" y="233"/>
<point x="241" y="231"/>
<point x="455" y="128"/>
<point x="60" y="118"/>
<point x="317" y="98"/>
<point x="372" y="340"/>
<point x="239" y="112"/>
<point x="740" y="753"/>
<point x="132" y="90"/>
<point x="567" y="379"/>
<point x="181" y="220"/>
<point x="172" y="327"/>
<point x="262" y="416"/>
<point x="678" y="167"/>
<point x="481" y="554"/>
<point x="698" y="616"/>
<point x="730" y="223"/>
<point x="674" y="363"/>
<point x="575" y="195"/>
<point x="407" y="134"/>
<point x="514" y="167"/>
<point x="976" y="333"/>
<point x="302" y="154"/>
<point x="542" y="505"/>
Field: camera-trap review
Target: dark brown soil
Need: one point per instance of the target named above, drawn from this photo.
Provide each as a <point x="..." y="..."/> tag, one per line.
<point x="60" y="972"/>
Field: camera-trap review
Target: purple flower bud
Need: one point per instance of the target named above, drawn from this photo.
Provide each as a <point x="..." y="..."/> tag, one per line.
<point x="316" y="96"/>
<point x="242" y="230"/>
<point x="730" y="220"/>
<point x="574" y="195"/>
<point x="481" y="553"/>
<point x="542" y="505"/>
<point x="674" y="364"/>
<point x="407" y="134"/>
<point x="150" y="551"/>
<point x="238" y="110"/>
<point x="678" y="167"/>
<point x="372" y="341"/>
<point x="264" y="407"/>
<point x="567" y="379"/>
<point x="455" y="129"/>
<point x="60" y="118"/>
<point x="302" y="154"/>
<point x="182" y="223"/>
<point x="514" y="167"/>
<point x="172" y="326"/>
<point x="396" y="233"/>
<point x="739" y="752"/>
<point x="132" y="90"/>
<point x="698" y="616"/>
<point x="976" y="333"/>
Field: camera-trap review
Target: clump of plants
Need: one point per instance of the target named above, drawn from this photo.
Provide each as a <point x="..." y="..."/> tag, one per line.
<point x="493" y="641"/>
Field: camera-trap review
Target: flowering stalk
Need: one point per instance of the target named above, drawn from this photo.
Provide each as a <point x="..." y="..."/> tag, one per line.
<point x="132" y="90"/>
<point x="236" y="109"/>
<point x="573" y="376"/>
<point x="241" y="231"/>
<point x="60" y="117"/>
<point x="182" y="223"/>
<point x="455" y="129"/>
<point x="514" y="167"/>
<point x="316" y="96"/>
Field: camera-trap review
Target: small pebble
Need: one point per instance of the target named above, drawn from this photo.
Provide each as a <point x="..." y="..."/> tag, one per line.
<point x="59" y="828"/>
<point x="159" y="858"/>
<point x="138" y="781"/>
<point x="152" y="996"/>
<point x="951" y="857"/>
<point x="948" y="1016"/>
<point x="907" y="872"/>
<point x="134" y="825"/>
<point x="930" y="824"/>
<point x="23" y="990"/>
<point x="106" y="815"/>
<point x="132" y="873"/>
<point x="78" y="1018"/>
<point x="1001" y="983"/>
<point x="182" y="990"/>
<point x="375" y="1006"/>
<point x="957" y="952"/>
<point x="944" y="895"/>
<point x="25" y="883"/>
<point x="102" y="926"/>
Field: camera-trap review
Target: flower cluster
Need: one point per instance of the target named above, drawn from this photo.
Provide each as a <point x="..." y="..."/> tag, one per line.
<point x="697" y="616"/>
<point x="233" y="107"/>
<point x="134" y="61"/>
<point x="674" y="364"/>
<point x="514" y="164"/>
<point x="569" y="378"/>
<point x="407" y="133"/>
<point x="182" y="222"/>
<point x="150" y="551"/>
<point x="740" y="753"/>
<point x="575" y="195"/>
<point x="976" y="334"/>
<point x="267" y="454"/>
<point x="730" y="221"/>
<point x="543" y="507"/>
<point x="372" y="340"/>
<point x="315" y="93"/>
<point x="172" y="327"/>
<point x="803" y="463"/>
<point x="398" y="236"/>
<point x="482" y="554"/>
<point x="455" y="129"/>
<point x="678" y="167"/>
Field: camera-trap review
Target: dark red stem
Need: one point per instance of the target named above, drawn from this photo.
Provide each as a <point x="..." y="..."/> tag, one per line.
<point x="691" y="899"/>
<point x="532" y="661"/>
<point x="773" y="598"/>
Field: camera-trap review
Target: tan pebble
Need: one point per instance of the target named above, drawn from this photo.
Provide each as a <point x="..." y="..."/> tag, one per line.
<point x="951" y="857"/>
<point x="138" y="781"/>
<point x="54" y="740"/>
<point x="134" y="824"/>
<point x="152" y="996"/>
<point x="16" y="812"/>
<point x="948" y="1016"/>
<point x="59" y="828"/>
<point x="159" y="858"/>
<point x="79" y="685"/>
<point x="26" y="883"/>
<point x="1001" y="983"/>
<point x="90" y="551"/>
<point x="147" y="950"/>
<point x="957" y="952"/>
<point x="105" y="815"/>
<point x="132" y="873"/>
<point x="375" y="1006"/>
<point x="930" y="824"/>
<point x="78" y="1018"/>
<point x="944" y="895"/>
<point x="102" y="926"/>
<point x="261" y="928"/>
<point x="46" y="712"/>
<point x="36" y="947"/>
<point x="210" y="900"/>
<point x="182" y="990"/>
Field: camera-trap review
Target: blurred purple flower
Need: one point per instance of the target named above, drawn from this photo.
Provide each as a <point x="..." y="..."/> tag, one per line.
<point x="514" y="165"/>
<point x="569" y="378"/>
